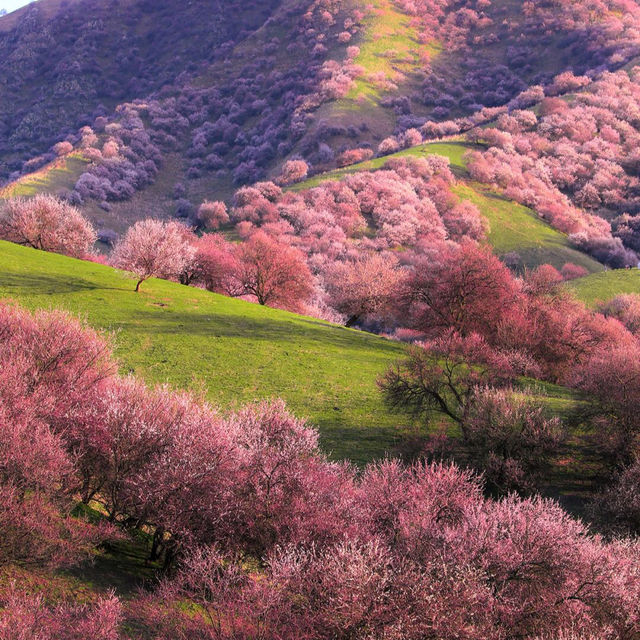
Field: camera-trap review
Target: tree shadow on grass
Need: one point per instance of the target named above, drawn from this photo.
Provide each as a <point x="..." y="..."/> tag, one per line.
<point x="21" y="284"/>
<point x="273" y="329"/>
<point x="122" y="566"/>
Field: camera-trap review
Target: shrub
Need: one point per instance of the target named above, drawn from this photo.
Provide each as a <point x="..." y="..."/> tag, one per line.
<point x="47" y="223"/>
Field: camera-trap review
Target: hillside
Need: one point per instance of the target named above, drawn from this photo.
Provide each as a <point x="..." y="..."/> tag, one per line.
<point x="513" y="227"/>
<point x="237" y="350"/>
<point x="192" y="110"/>
<point x="71" y="50"/>
<point x="308" y="320"/>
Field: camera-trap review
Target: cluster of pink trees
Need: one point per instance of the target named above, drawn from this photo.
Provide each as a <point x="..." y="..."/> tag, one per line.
<point x="625" y="308"/>
<point x="468" y="308"/>
<point x="29" y="616"/>
<point x="293" y="171"/>
<point x="264" y="535"/>
<point x="619" y="506"/>
<point x="45" y="222"/>
<point x="212" y="215"/>
<point x="273" y="273"/>
<point x="261" y="269"/>
<point x="493" y="52"/>
<point x="49" y="366"/>
<point x="366" y="288"/>
<point x="573" y="162"/>
<point x="299" y="249"/>
<point x="430" y="558"/>
<point x="129" y="159"/>
<point x="341" y="226"/>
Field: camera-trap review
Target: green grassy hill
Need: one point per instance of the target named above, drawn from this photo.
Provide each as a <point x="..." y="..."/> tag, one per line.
<point x="600" y="287"/>
<point x="239" y="351"/>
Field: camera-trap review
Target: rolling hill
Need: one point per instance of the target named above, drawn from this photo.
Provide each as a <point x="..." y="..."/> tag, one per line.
<point x="513" y="227"/>
<point x="238" y="351"/>
<point x="315" y="133"/>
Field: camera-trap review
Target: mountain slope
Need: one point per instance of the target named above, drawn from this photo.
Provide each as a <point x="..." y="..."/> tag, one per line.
<point x="65" y="64"/>
<point x="238" y="352"/>
<point x="226" y="93"/>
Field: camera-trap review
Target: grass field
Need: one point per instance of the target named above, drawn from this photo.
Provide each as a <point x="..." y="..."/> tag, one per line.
<point x="62" y="173"/>
<point x="600" y="287"/>
<point x="239" y="351"/>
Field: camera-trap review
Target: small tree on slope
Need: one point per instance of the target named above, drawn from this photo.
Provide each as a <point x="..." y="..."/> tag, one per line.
<point x="152" y="248"/>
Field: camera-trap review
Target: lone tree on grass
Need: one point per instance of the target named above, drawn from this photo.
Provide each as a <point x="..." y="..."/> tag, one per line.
<point x="153" y="248"/>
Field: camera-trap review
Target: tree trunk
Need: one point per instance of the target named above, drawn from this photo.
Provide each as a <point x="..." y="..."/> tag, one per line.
<point x="351" y="321"/>
<point x="155" y="545"/>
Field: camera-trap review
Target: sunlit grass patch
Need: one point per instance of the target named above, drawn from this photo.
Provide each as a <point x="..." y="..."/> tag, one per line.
<point x="601" y="287"/>
<point x="62" y="173"/>
<point x="389" y="49"/>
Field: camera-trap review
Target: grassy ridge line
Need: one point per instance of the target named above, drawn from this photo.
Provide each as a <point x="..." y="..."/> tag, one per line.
<point x="239" y="351"/>
<point x="515" y="227"/>
<point x="62" y="173"/>
<point x="454" y="150"/>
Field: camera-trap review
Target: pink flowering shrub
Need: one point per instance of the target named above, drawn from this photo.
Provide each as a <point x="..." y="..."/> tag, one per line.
<point x="45" y="222"/>
<point x="212" y="215"/>
<point x="23" y="616"/>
